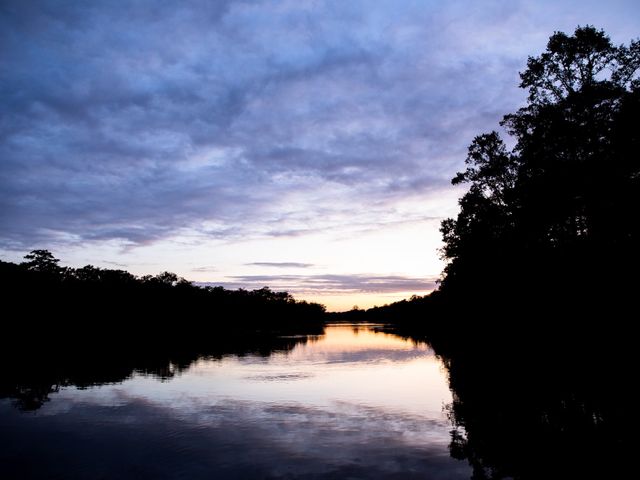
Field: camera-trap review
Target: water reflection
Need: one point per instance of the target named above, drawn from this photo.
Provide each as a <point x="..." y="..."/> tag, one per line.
<point x="539" y="406"/>
<point x="352" y="403"/>
<point x="34" y="371"/>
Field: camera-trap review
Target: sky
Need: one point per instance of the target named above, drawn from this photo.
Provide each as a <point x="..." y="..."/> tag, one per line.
<point x="303" y="145"/>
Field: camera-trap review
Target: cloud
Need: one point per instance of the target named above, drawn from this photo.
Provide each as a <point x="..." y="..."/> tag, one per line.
<point x="281" y="264"/>
<point x="115" y="264"/>
<point x="232" y="439"/>
<point x="205" y="269"/>
<point x="331" y="284"/>
<point x="139" y="121"/>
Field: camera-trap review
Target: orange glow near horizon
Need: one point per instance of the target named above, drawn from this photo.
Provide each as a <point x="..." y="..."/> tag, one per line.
<point x="347" y="366"/>
<point x="355" y="338"/>
<point x="345" y="302"/>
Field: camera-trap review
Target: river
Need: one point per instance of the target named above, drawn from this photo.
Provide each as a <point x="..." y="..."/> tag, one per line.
<point x="354" y="402"/>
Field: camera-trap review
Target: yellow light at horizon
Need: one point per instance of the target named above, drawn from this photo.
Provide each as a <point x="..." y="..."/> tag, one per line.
<point x="341" y="302"/>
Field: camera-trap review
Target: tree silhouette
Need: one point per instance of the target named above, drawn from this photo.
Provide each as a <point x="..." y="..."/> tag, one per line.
<point x="532" y="316"/>
<point x="566" y="196"/>
<point x="68" y="307"/>
<point x="41" y="261"/>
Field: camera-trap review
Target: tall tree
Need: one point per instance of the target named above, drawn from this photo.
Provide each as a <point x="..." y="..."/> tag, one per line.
<point x="568" y="194"/>
<point x="41" y="261"/>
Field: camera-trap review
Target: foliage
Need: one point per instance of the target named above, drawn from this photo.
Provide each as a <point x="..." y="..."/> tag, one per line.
<point x="542" y="272"/>
<point x="109" y="302"/>
<point x="564" y="200"/>
<point x="84" y="326"/>
<point x="41" y="261"/>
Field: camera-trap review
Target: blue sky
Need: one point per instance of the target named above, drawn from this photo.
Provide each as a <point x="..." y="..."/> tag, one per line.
<point x="305" y="145"/>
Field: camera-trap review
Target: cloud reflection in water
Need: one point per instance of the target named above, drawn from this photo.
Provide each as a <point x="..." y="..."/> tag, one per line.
<point x="351" y="404"/>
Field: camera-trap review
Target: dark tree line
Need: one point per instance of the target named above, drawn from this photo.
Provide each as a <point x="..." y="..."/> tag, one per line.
<point x="550" y="228"/>
<point x="553" y="223"/>
<point x="539" y="296"/>
<point x="535" y="314"/>
<point x="85" y="326"/>
<point x="97" y="303"/>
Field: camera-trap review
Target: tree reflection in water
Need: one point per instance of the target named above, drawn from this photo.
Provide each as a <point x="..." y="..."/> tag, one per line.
<point x="531" y="410"/>
<point x="527" y="408"/>
<point x="32" y="374"/>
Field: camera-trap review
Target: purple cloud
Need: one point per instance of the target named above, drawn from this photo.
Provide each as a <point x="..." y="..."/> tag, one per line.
<point x="135" y="121"/>
<point x="280" y="264"/>
<point x="335" y="284"/>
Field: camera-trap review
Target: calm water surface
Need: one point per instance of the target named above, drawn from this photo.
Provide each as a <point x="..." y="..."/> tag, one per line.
<point x="352" y="403"/>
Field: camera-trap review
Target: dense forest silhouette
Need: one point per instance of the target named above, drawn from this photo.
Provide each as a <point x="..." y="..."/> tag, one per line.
<point x="535" y="312"/>
<point x="89" y="326"/>
<point x="94" y="302"/>
<point x="550" y="227"/>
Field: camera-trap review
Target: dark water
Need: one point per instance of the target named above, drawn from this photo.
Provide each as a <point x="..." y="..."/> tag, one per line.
<point x="352" y="403"/>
